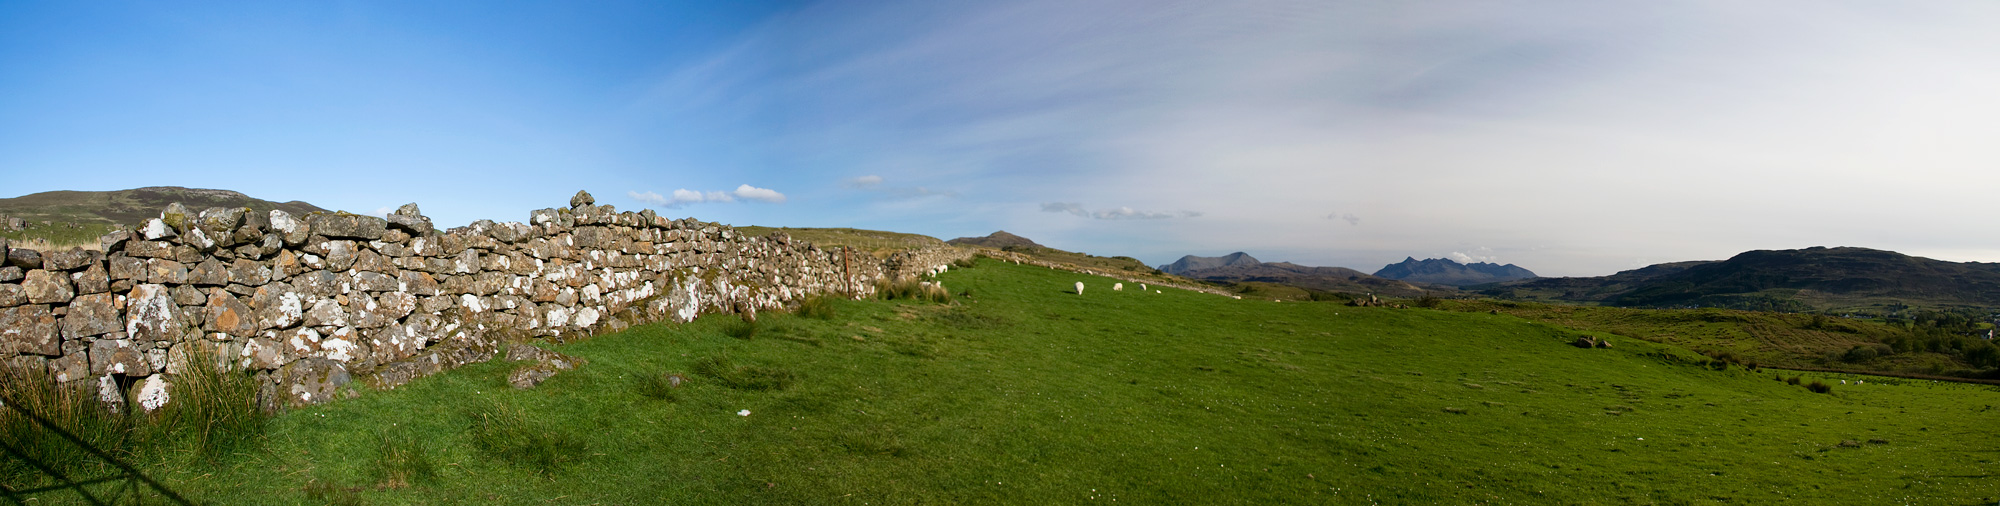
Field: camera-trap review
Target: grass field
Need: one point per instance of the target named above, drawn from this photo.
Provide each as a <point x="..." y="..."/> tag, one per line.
<point x="1025" y="393"/>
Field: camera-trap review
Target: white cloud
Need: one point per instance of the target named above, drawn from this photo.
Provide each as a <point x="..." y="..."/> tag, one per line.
<point x="1120" y="213"/>
<point x="648" y="197"/>
<point x="682" y="197"/>
<point x="868" y="181"/>
<point x="1350" y="218"/>
<point x="1075" y="208"/>
<point x="762" y="194"/>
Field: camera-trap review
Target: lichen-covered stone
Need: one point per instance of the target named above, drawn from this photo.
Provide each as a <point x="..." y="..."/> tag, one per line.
<point x="414" y="225"/>
<point x="29" y="329"/>
<point x="166" y="272"/>
<point x="70" y="367"/>
<point x="125" y="267"/>
<point x="228" y="315"/>
<point x="92" y="279"/>
<point x="46" y="286"/>
<point x="92" y="315"/>
<point x="261" y="355"/>
<point x="10" y="274"/>
<point x="417" y="283"/>
<point x="221" y="222"/>
<point x="117" y="356"/>
<point x="326" y="313"/>
<point x="292" y="230"/>
<point x="12" y="295"/>
<point x="374" y="282"/>
<point x="71" y="259"/>
<point x="189" y="296"/>
<point x="347" y="226"/>
<point x="248" y="272"/>
<point x="313" y="380"/>
<point x="209" y="272"/>
<point x="277" y="306"/>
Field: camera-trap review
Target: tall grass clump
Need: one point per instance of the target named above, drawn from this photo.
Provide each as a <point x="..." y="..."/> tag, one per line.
<point x="401" y="459"/>
<point x="744" y="377"/>
<point x="743" y="329"/>
<point x="913" y="290"/>
<point x="72" y="408"/>
<point x="507" y="433"/>
<point x="658" y="386"/>
<point x="819" y="307"/>
<point x="212" y="409"/>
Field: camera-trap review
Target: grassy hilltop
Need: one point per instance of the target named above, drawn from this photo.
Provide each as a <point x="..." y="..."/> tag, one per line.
<point x="1018" y="391"/>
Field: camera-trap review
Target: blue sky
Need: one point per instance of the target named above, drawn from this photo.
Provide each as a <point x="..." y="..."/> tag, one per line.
<point x="1571" y="138"/>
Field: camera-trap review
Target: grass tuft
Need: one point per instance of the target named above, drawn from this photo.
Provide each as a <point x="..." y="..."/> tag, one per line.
<point x="660" y="386"/>
<point x="214" y="408"/>
<point x="507" y="433"/>
<point x="402" y="459"/>
<point x="72" y="408"/>
<point x="744" y="377"/>
<point x="741" y="329"/>
<point x="819" y="307"/>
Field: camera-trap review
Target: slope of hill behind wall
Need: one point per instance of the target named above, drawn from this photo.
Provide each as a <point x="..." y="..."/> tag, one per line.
<point x="308" y="302"/>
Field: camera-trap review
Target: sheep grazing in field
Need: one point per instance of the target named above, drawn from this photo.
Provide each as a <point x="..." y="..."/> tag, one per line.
<point x="1857" y="382"/>
<point x="1079" y="288"/>
<point x="1118" y="287"/>
<point x="1843" y="382"/>
<point x="1142" y="287"/>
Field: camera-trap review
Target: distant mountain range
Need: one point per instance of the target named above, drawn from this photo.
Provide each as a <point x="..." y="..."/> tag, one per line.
<point x="1444" y="271"/>
<point x="1800" y="279"/>
<point x="1240" y="267"/>
<point x="129" y="207"/>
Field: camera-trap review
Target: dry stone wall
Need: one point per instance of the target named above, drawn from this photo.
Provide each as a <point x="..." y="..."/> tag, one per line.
<point x="313" y="303"/>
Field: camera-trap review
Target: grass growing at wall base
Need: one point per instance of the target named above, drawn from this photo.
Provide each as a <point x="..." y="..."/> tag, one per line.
<point x="1033" y="395"/>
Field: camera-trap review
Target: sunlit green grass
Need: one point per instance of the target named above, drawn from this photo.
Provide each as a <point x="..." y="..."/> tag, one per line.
<point x="1025" y="393"/>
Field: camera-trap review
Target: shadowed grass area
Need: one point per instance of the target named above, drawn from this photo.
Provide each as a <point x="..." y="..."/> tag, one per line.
<point x="1033" y="395"/>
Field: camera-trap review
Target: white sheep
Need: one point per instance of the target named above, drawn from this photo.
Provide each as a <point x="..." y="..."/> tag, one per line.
<point x="1118" y="287"/>
<point x="1079" y="288"/>
<point x="1142" y="287"/>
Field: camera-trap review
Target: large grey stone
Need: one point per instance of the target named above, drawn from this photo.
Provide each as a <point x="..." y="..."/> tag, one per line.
<point x="313" y="380"/>
<point x="189" y="296"/>
<point x="46" y="286"/>
<point x="414" y="225"/>
<point x="326" y="313"/>
<point x="29" y="329"/>
<point x="10" y="274"/>
<point x="209" y="272"/>
<point x="348" y="226"/>
<point x="221" y="222"/>
<point x="71" y="259"/>
<point x="581" y="199"/>
<point x="111" y="241"/>
<point x="321" y="283"/>
<point x="374" y="282"/>
<point x="417" y="283"/>
<point x="249" y="272"/>
<point x="118" y="356"/>
<point x="163" y="271"/>
<point x="124" y="267"/>
<point x="149" y="249"/>
<point x="92" y="315"/>
<point x="370" y="261"/>
<point x="177" y="215"/>
<point x="24" y="258"/>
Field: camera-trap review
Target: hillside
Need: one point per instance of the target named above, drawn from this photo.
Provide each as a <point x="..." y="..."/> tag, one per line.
<point x="1250" y="275"/>
<point x="1194" y="263"/>
<point x="64" y="218"/>
<point x="868" y="240"/>
<point x="1024" y="394"/>
<point x="1444" y="271"/>
<point x="1819" y="278"/>
<point x="997" y="240"/>
<point x="129" y="207"/>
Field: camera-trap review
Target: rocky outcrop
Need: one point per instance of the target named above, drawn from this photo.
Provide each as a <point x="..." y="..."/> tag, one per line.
<point x="315" y="303"/>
